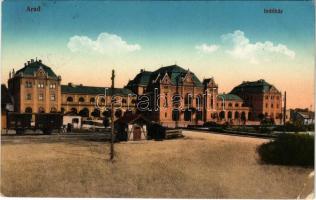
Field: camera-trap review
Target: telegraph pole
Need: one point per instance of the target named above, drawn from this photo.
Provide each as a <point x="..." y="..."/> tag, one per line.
<point x="284" y="109"/>
<point x="112" y="118"/>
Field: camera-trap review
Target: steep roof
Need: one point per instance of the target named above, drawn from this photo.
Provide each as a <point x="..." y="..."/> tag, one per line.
<point x="80" y="89"/>
<point x="174" y="71"/>
<point x="229" y="97"/>
<point x="253" y="86"/>
<point x="142" y="78"/>
<point x="32" y="67"/>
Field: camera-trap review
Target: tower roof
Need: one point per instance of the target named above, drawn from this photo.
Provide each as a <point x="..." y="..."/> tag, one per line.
<point x="258" y="86"/>
<point x="33" y="66"/>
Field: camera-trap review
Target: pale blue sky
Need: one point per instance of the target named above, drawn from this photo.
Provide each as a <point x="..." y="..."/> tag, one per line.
<point x="162" y="33"/>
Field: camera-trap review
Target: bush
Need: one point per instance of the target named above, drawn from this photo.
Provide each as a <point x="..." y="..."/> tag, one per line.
<point x="289" y="149"/>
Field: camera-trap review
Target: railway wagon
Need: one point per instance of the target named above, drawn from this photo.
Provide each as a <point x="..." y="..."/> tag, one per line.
<point x="19" y="122"/>
<point x="46" y="122"/>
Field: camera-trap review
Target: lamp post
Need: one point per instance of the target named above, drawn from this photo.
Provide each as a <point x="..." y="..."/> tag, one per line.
<point x="112" y="118"/>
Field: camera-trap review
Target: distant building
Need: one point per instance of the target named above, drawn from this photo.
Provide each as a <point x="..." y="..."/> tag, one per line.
<point x="82" y="99"/>
<point x="301" y="116"/>
<point x="263" y="99"/>
<point x="36" y="88"/>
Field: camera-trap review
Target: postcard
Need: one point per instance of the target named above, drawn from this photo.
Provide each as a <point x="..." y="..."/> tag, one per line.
<point x="158" y="99"/>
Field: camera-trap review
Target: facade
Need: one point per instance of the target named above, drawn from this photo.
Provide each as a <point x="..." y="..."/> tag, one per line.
<point x="175" y="97"/>
<point x="231" y="108"/>
<point x="80" y="99"/>
<point x="200" y="102"/>
<point x="36" y="88"/>
<point x="263" y="99"/>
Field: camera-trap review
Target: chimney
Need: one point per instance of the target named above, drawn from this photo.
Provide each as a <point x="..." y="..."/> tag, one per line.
<point x="32" y="60"/>
<point x="142" y="70"/>
<point x="40" y="61"/>
<point x="25" y="64"/>
<point x="28" y="62"/>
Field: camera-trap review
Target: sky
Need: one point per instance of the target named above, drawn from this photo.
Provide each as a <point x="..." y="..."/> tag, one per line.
<point x="232" y="41"/>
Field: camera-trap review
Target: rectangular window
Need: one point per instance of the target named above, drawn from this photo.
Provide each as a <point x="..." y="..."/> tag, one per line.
<point x="267" y="97"/>
<point x="40" y="85"/>
<point x="41" y="97"/>
<point x="266" y="105"/>
<point x="28" y="96"/>
<point x="52" y="86"/>
<point x="272" y="105"/>
<point x="52" y="97"/>
<point x="28" y="84"/>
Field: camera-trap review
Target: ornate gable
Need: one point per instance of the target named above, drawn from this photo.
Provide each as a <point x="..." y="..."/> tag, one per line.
<point x="188" y="78"/>
<point x="166" y="79"/>
<point x="40" y="73"/>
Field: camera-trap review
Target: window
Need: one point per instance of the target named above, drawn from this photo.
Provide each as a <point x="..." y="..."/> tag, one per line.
<point x="52" y="86"/>
<point x="236" y="104"/>
<point x="166" y="100"/>
<point x="166" y="115"/>
<point x="52" y="97"/>
<point x="28" y="84"/>
<point x="212" y="101"/>
<point x="92" y="100"/>
<point x="272" y="97"/>
<point x="41" y="97"/>
<point x="266" y="105"/>
<point x="272" y="105"/>
<point x="277" y="105"/>
<point x="28" y="96"/>
<point x="267" y="97"/>
<point x="124" y="101"/>
<point x="81" y="99"/>
<point x="230" y="105"/>
<point x="40" y="85"/>
<point x="277" y="97"/>
<point x="70" y="99"/>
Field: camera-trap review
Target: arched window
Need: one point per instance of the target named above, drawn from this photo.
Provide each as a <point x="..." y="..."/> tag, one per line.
<point x="243" y="116"/>
<point x="175" y="115"/>
<point x="187" y="115"/>
<point x="198" y="102"/>
<point x="92" y="100"/>
<point x="62" y="110"/>
<point x="70" y="99"/>
<point x="236" y="104"/>
<point x="124" y="101"/>
<point x="188" y="99"/>
<point x="230" y="115"/>
<point x="81" y="99"/>
<point x="28" y="110"/>
<point x="222" y="115"/>
<point x="236" y="115"/>
<point x="230" y="105"/>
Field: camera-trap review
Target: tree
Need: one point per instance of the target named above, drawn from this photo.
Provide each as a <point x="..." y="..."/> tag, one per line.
<point x="84" y="112"/>
<point x="96" y="113"/>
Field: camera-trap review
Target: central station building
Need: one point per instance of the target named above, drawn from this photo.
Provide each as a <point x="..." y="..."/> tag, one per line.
<point x="176" y="96"/>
